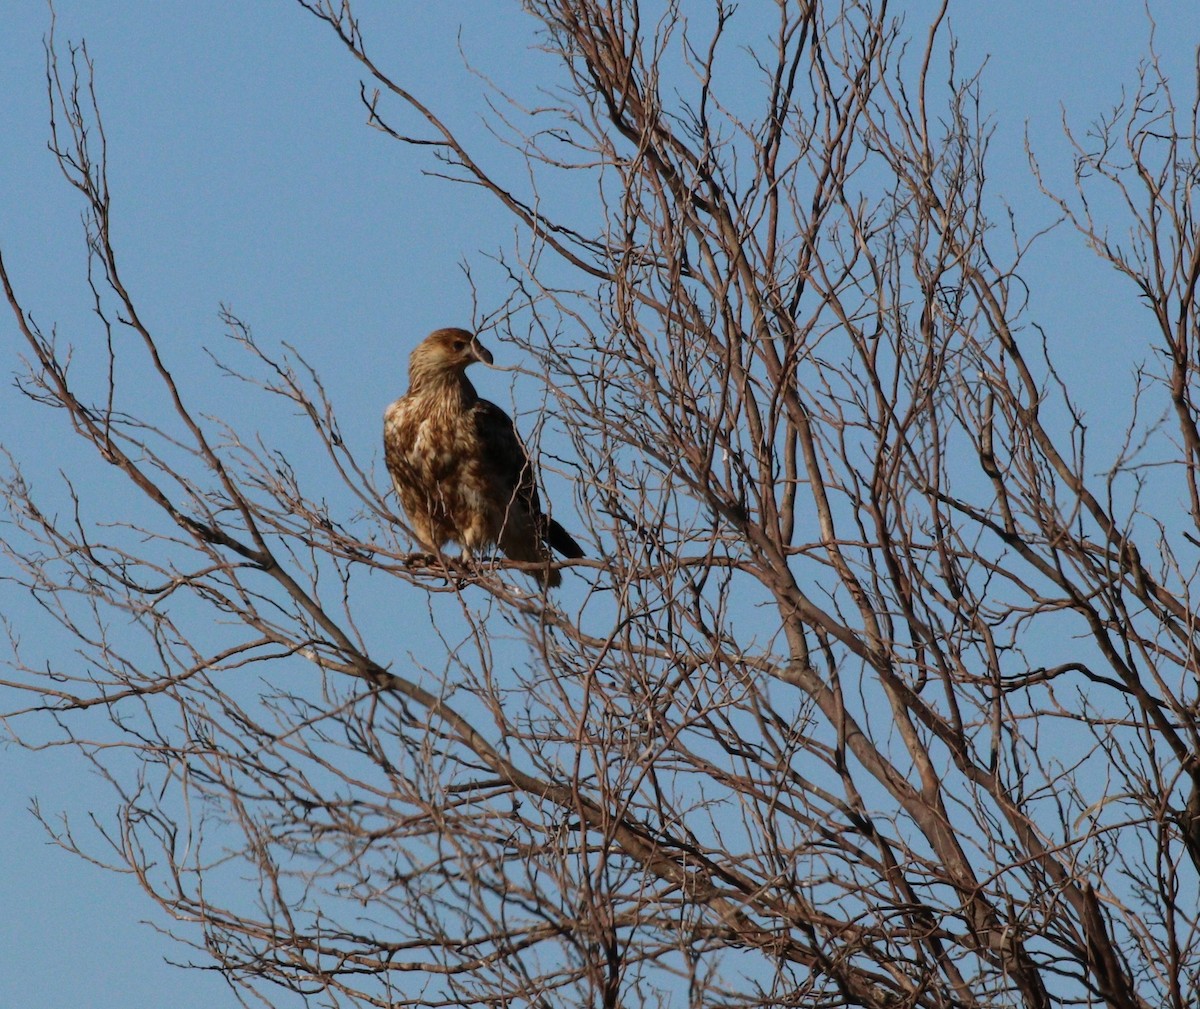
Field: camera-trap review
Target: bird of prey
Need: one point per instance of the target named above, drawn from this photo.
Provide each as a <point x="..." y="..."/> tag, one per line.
<point x="458" y="465"/>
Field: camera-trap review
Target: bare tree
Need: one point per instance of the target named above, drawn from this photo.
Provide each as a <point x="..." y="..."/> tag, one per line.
<point x="873" y="692"/>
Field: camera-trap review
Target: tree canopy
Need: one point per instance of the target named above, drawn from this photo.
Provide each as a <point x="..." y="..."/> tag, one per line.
<point x="878" y="684"/>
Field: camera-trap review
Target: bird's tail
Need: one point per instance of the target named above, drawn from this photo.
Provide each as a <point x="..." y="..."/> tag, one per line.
<point x="521" y="543"/>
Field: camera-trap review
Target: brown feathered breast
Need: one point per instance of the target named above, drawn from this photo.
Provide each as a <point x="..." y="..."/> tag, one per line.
<point x="458" y="465"/>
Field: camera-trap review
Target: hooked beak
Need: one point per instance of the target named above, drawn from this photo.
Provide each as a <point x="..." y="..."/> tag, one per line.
<point x="481" y="353"/>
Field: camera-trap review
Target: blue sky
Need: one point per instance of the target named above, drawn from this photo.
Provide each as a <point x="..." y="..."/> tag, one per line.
<point x="243" y="174"/>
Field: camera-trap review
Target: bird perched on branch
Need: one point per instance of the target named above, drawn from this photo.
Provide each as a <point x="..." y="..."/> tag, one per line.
<point x="458" y="465"/>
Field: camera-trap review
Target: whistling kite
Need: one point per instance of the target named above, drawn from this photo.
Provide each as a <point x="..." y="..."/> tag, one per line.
<point x="458" y="465"/>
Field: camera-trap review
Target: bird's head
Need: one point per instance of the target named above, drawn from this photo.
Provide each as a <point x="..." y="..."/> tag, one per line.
<point x="446" y="351"/>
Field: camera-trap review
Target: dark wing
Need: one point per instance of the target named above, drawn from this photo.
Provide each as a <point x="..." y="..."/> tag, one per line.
<point x="526" y="531"/>
<point x="563" y="541"/>
<point x="504" y="462"/>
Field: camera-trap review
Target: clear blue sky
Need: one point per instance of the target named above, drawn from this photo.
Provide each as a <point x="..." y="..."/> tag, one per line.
<point x="243" y="174"/>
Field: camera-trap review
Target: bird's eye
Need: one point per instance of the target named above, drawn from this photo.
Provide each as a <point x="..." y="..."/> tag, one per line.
<point x="460" y="345"/>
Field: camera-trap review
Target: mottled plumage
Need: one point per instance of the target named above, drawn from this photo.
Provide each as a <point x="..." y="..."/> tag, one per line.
<point x="458" y="465"/>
